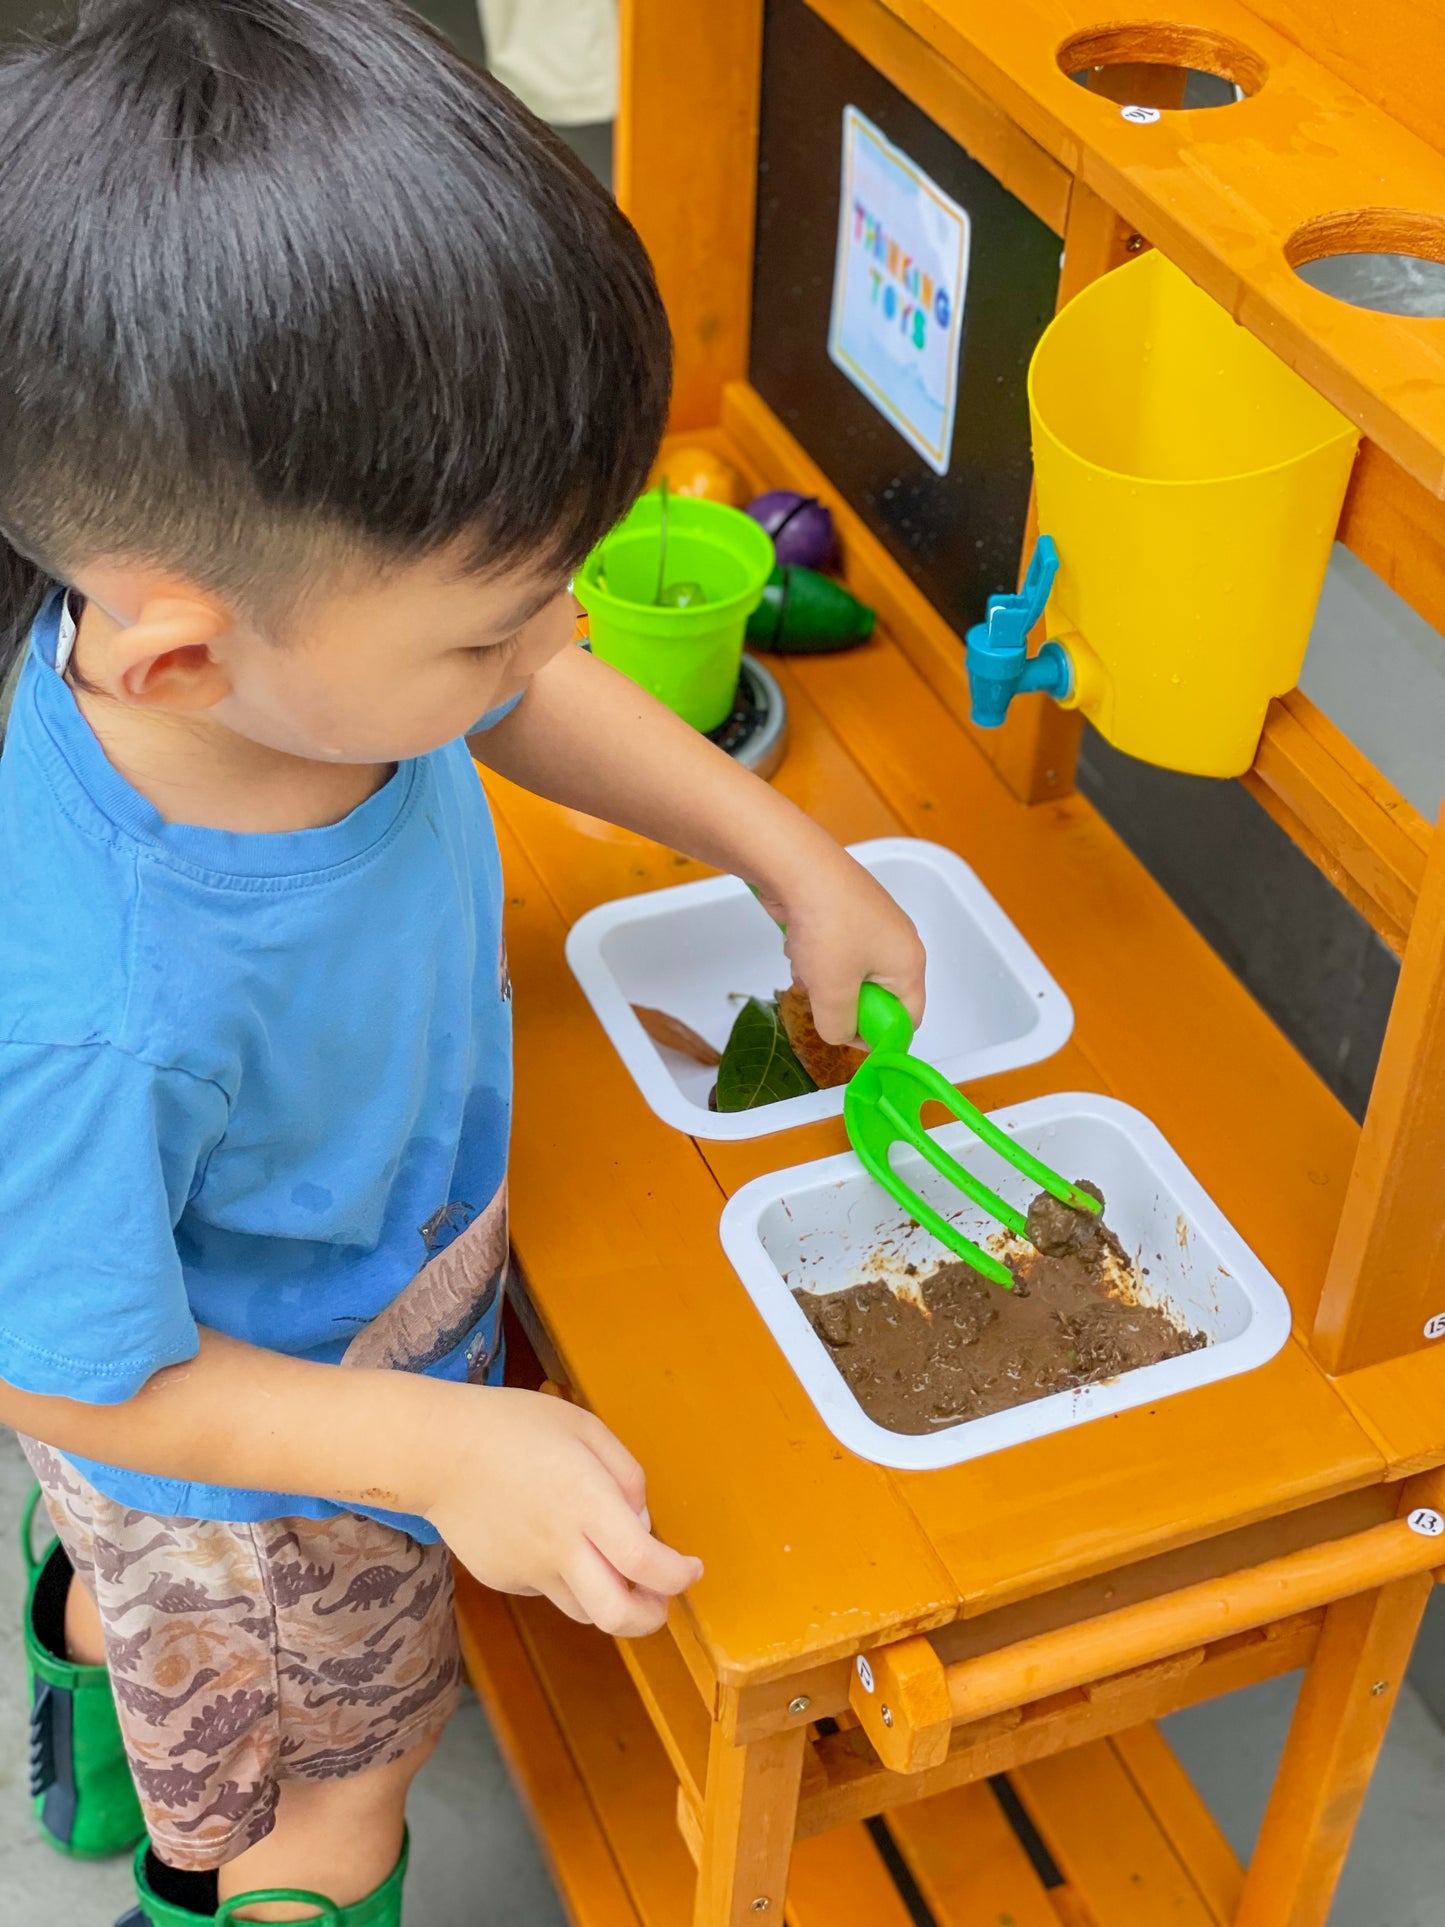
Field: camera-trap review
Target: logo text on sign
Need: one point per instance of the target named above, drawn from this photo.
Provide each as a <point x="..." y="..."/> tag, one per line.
<point x="899" y="276"/>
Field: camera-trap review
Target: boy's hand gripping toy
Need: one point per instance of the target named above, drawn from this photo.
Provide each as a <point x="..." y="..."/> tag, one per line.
<point x="883" y="1106"/>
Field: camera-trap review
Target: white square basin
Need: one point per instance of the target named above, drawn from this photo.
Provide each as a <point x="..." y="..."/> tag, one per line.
<point x="820" y="1227"/>
<point x="696" y="951"/>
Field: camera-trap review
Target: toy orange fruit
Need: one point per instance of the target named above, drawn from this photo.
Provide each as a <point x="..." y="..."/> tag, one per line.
<point x="698" y="472"/>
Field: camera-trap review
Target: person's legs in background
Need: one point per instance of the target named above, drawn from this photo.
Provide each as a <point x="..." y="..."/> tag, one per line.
<point x="560" y="57"/>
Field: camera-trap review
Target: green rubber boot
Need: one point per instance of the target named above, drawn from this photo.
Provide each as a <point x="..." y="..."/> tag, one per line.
<point x="192" y="1899"/>
<point x="84" y="1797"/>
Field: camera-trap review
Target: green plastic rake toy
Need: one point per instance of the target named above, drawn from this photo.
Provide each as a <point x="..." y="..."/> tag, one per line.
<point x="883" y="1106"/>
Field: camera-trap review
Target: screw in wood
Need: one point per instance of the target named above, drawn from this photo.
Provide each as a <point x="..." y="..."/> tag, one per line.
<point x="761" y="1904"/>
<point x="1380" y="1686"/>
<point x="888" y="1716"/>
<point x="1134" y="244"/>
<point x="800" y="1704"/>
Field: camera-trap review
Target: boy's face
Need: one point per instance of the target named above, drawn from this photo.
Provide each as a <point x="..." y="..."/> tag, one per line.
<point x="397" y="665"/>
<point x="372" y="667"/>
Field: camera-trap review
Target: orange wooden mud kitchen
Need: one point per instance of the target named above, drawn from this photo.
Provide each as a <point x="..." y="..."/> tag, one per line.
<point x="871" y="1640"/>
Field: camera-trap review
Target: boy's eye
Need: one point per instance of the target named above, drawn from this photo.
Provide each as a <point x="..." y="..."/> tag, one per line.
<point x="483" y="651"/>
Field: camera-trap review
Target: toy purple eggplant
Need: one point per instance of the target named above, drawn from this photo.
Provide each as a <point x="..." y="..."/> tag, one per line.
<point x="800" y="525"/>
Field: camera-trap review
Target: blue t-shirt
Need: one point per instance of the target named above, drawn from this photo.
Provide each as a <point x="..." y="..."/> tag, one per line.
<point x="256" y="1082"/>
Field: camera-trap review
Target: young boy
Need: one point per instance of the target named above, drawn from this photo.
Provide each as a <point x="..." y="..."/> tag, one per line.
<point x="321" y="367"/>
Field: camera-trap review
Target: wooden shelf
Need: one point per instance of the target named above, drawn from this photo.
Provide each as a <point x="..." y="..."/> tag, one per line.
<point x="1127" y="1832"/>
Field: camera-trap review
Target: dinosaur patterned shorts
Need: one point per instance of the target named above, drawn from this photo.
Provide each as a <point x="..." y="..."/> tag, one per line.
<point x="243" y="1655"/>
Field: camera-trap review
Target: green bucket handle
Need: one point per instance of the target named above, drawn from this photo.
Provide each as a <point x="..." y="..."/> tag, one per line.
<point x="875" y="1123"/>
<point x="661" y="539"/>
<point x="885" y="1026"/>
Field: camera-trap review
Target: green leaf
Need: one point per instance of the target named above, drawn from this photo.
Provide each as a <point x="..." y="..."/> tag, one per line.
<point x="758" y="1064"/>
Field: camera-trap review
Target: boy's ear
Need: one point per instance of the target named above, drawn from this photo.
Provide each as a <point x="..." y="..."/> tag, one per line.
<point x="167" y="648"/>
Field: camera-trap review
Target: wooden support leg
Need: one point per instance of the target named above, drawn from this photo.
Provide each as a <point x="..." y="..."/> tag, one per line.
<point x="1344" y="1707"/>
<point x="750" y="1808"/>
<point x="1385" y="1286"/>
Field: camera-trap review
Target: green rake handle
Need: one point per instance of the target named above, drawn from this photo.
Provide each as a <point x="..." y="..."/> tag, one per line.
<point x="884" y="1025"/>
<point x="875" y="1122"/>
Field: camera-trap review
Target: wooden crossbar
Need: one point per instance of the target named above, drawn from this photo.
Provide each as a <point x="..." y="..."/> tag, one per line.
<point x="908" y="1701"/>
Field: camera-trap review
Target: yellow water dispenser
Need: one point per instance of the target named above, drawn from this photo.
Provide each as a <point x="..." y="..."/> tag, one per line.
<point x="1189" y="484"/>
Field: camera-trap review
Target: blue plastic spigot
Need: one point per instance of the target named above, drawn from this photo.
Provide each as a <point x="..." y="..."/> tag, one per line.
<point x="998" y="660"/>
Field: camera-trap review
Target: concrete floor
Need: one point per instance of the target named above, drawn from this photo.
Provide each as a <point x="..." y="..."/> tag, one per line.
<point x="1395" y="1875"/>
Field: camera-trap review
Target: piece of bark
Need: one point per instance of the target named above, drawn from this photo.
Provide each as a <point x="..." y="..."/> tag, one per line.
<point x="672" y="1034"/>
<point x="827" y="1064"/>
<point x="448" y="1298"/>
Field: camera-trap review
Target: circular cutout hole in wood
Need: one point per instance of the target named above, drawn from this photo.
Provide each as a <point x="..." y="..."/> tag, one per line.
<point x="1387" y="259"/>
<point x="1162" y="65"/>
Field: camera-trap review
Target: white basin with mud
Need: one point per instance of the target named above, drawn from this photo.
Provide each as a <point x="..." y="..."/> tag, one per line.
<point x="823" y="1226"/>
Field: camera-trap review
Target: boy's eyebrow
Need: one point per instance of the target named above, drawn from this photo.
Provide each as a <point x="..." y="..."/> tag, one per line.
<point x="524" y="611"/>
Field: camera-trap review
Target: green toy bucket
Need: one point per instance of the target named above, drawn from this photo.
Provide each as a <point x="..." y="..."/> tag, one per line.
<point x="688" y="658"/>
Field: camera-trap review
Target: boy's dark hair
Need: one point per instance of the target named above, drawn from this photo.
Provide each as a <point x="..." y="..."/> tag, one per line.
<point x="277" y="275"/>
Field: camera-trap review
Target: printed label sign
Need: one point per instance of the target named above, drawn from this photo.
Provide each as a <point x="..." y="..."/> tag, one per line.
<point x="898" y="289"/>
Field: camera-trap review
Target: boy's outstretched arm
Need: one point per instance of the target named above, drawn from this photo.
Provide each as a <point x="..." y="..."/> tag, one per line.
<point x="591" y="739"/>
<point x="531" y="1494"/>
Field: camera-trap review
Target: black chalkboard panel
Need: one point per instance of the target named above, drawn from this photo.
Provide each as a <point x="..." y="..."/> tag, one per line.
<point x="958" y="535"/>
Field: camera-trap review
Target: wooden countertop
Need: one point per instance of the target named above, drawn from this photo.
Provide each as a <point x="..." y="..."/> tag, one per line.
<point x="811" y="1552"/>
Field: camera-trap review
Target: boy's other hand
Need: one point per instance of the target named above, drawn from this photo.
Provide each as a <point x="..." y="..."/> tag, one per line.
<point x="844" y="930"/>
<point x="543" y="1499"/>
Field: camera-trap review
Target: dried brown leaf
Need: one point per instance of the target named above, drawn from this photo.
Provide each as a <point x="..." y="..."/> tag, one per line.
<point x="672" y="1034"/>
<point x="827" y="1064"/>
